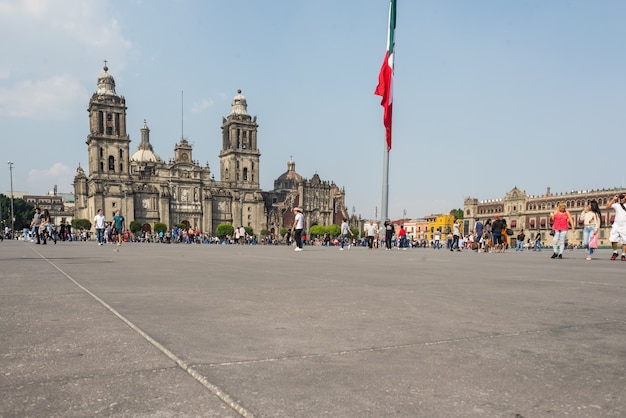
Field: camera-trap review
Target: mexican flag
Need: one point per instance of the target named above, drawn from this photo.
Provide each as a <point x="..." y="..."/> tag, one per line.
<point x="385" y="77"/>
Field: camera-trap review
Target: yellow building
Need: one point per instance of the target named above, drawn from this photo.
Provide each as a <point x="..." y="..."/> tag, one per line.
<point x="441" y="222"/>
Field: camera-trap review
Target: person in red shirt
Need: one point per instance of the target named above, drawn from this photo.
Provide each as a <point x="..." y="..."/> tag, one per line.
<point x="402" y="237"/>
<point x="561" y="218"/>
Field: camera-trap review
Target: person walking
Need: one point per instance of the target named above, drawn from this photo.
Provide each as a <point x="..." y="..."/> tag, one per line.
<point x="478" y="231"/>
<point x="437" y="239"/>
<point x="402" y="238"/>
<point x="118" y="222"/>
<point x="345" y="230"/>
<point x="496" y="233"/>
<point x="35" y="224"/>
<point x="455" y="235"/>
<point x="591" y="223"/>
<point x="537" y="244"/>
<point x="389" y="231"/>
<point x="560" y="218"/>
<point x="371" y="230"/>
<point x="298" y="227"/>
<point x="519" y="243"/>
<point x="100" y="222"/>
<point x="43" y="227"/>
<point x="505" y="235"/>
<point x="618" y="230"/>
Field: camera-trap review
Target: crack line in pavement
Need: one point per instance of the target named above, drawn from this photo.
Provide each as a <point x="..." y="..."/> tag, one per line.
<point x="180" y="362"/>
<point x="400" y="346"/>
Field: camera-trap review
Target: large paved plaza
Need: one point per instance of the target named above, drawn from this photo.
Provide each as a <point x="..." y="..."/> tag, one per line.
<point x="160" y="330"/>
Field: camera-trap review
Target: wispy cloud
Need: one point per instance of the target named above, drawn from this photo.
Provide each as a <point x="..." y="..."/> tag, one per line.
<point x="198" y="107"/>
<point x="41" y="78"/>
<point x="59" y="174"/>
<point x="52" y="98"/>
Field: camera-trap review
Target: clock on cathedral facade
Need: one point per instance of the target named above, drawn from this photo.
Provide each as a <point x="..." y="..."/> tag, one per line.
<point x="147" y="189"/>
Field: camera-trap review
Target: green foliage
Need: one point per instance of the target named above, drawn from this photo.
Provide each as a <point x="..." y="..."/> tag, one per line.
<point x="181" y="226"/>
<point x="81" y="224"/>
<point x="458" y="213"/>
<point x="317" y="230"/>
<point x="22" y="211"/>
<point x="135" y="227"/>
<point x="265" y="232"/>
<point x="333" y="230"/>
<point x="224" y="229"/>
<point x="249" y="230"/>
<point x="355" y="232"/>
<point x="160" y="227"/>
<point x="283" y="231"/>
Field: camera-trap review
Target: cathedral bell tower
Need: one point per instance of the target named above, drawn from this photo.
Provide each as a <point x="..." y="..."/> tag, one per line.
<point x="107" y="142"/>
<point x="239" y="157"/>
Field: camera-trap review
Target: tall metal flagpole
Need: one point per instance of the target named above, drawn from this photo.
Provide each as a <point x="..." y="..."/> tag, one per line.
<point x="385" y="200"/>
<point x="385" y="90"/>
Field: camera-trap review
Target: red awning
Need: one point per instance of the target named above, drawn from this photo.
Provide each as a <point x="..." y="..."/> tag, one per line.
<point x="532" y="222"/>
<point x="513" y="224"/>
<point x="542" y="222"/>
<point x="580" y="221"/>
<point x="612" y="218"/>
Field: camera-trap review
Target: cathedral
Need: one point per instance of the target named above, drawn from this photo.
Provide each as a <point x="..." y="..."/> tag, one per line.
<point x="147" y="189"/>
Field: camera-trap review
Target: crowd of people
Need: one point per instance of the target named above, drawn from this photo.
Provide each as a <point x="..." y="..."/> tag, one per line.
<point x="488" y="236"/>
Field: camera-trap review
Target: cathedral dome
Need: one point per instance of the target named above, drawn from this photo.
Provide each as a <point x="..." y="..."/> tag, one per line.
<point x="145" y="153"/>
<point x="145" y="156"/>
<point x="290" y="174"/>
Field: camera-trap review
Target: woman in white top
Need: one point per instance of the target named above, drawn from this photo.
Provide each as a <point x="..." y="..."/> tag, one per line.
<point x="591" y="221"/>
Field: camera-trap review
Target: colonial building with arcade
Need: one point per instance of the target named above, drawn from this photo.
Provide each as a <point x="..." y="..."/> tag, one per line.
<point x="532" y="213"/>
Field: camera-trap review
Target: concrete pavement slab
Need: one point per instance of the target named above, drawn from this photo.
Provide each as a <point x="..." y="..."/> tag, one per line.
<point x="224" y="330"/>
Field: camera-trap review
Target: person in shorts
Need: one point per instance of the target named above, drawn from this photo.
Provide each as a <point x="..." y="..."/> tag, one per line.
<point x="118" y="224"/>
<point x="618" y="230"/>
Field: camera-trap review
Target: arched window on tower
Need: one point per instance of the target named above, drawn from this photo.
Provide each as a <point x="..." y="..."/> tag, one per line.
<point x="111" y="163"/>
<point x="245" y="174"/>
<point x="101" y="166"/>
<point x="101" y="152"/>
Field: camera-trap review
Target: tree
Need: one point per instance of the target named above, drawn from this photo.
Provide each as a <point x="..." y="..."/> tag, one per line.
<point x="265" y="232"/>
<point x="135" y="227"/>
<point x="249" y="230"/>
<point x="458" y="213"/>
<point x="224" y="229"/>
<point x="317" y="230"/>
<point x="160" y="227"/>
<point x="22" y="211"/>
<point x="333" y="230"/>
<point x="81" y="224"/>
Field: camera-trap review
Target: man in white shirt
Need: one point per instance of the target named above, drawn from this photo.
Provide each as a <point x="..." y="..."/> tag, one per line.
<point x="618" y="230"/>
<point x="99" y="220"/>
<point x="371" y="229"/>
<point x="298" y="226"/>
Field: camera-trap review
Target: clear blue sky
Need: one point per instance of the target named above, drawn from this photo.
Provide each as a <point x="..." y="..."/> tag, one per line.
<point x="488" y="95"/>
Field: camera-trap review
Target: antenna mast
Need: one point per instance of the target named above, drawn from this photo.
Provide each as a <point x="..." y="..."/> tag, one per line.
<point x="182" y="122"/>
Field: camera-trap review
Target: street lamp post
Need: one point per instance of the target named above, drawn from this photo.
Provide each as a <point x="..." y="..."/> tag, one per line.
<point x="12" y="216"/>
<point x="241" y="207"/>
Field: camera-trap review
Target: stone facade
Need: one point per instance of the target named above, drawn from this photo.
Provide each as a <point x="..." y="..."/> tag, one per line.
<point x="180" y="191"/>
<point x="532" y="213"/>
